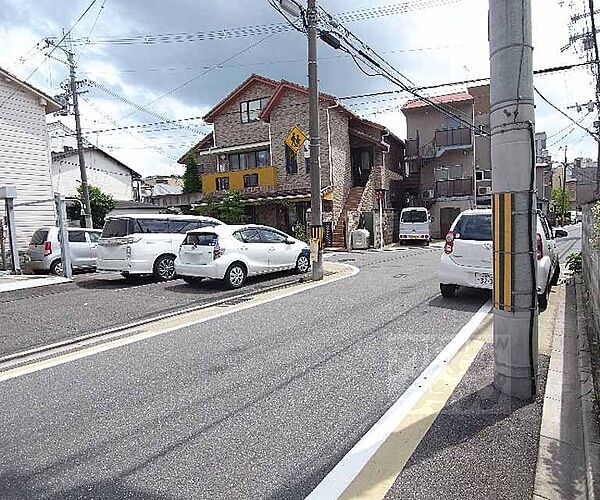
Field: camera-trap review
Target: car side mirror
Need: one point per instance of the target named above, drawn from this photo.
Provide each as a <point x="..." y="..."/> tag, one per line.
<point x="560" y="233"/>
<point x="289" y="241"/>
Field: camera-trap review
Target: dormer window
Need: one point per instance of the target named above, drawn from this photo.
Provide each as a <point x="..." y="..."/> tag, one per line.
<point x="250" y="110"/>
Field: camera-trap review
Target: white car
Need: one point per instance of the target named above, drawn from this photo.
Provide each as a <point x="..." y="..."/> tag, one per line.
<point x="415" y="223"/>
<point x="145" y="244"/>
<point x="468" y="255"/>
<point x="232" y="253"/>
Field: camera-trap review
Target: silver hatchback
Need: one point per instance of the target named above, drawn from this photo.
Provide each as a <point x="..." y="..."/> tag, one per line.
<point x="44" y="249"/>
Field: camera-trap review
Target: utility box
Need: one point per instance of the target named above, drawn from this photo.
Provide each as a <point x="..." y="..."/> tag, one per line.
<point x="360" y="239"/>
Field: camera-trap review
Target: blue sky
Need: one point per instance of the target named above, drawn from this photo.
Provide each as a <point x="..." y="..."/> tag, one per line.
<point x="430" y="45"/>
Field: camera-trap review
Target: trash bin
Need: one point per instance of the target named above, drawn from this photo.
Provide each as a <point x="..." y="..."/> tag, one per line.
<point x="360" y="239"/>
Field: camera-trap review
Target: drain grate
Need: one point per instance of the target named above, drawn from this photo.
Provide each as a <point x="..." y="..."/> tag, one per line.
<point x="234" y="301"/>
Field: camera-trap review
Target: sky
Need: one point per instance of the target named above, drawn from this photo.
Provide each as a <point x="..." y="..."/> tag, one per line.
<point x="182" y="79"/>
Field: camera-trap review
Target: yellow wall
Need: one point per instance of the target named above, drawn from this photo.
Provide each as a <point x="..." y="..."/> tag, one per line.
<point x="267" y="176"/>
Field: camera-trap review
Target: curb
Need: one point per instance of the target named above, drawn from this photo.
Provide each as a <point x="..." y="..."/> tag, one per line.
<point x="591" y="433"/>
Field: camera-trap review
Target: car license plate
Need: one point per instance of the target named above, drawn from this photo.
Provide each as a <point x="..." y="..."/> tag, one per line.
<point x="484" y="280"/>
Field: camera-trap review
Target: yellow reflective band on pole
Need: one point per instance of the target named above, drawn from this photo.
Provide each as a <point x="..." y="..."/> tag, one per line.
<point x="502" y="223"/>
<point x="507" y="252"/>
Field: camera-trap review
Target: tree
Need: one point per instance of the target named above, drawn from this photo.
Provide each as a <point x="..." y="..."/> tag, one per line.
<point x="191" y="179"/>
<point x="561" y="201"/>
<point x="100" y="202"/>
<point x="229" y="210"/>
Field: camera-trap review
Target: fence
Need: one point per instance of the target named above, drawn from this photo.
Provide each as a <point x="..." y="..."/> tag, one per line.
<point x="591" y="266"/>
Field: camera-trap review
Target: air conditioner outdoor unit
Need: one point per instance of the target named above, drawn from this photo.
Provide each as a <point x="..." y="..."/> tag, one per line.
<point x="482" y="191"/>
<point x="428" y="194"/>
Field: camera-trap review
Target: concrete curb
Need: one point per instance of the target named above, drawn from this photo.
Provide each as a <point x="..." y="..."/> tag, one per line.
<point x="591" y="433"/>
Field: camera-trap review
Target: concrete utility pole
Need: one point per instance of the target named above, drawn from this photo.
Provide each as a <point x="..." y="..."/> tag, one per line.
<point x="564" y="190"/>
<point x="514" y="214"/>
<point x="316" y="228"/>
<point x="597" y="122"/>
<point x="84" y="182"/>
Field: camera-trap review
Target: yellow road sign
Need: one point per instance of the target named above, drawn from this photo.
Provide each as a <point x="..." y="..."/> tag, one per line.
<point x="295" y="139"/>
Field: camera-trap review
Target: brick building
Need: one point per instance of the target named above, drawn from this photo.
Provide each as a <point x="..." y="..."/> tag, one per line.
<point x="246" y="151"/>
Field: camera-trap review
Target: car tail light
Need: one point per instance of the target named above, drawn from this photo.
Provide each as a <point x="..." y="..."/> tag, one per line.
<point x="47" y="248"/>
<point x="540" y="246"/>
<point x="218" y="250"/>
<point x="449" y="246"/>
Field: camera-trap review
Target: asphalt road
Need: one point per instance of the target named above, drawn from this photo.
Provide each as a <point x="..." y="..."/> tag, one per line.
<point x="258" y="404"/>
<point x="570" y="243"/>
<point x="93" y="302"/>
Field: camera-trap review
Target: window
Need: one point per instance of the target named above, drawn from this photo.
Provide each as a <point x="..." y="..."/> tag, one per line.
<point x="94" y="237"/>
<point x="414" y="216"/>
<point x="77" y="237"/>
<point x="270" y="236"/>
<point x="116" y="228"/>
<point x="474" y="227"/>
<point x="455" y="172"/>
<point x="291" y="161"/>
<point x="250" y="159"/>
<point x="250" y="236"/>
<point x="479" y="175"/>
<point x="545" y="227"/>
<point x="39" y="237"/>
<point x="249" y="110"/>
<point x="441" y="174"/>
<point x="183" y="226"/>
<point x="201" y="239"/>
<point x="263" y="158"/>
<point x="487" y="175"/>
<point x="222" y="183"/>
<point x="452" y="123"/>
<point x="153" y="226"/>
<point x="250" y="180"/>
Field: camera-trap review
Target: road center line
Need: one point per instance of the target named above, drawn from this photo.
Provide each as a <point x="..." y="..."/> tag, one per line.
<point x="178" y="322"/>
<point x="335" y="484"/>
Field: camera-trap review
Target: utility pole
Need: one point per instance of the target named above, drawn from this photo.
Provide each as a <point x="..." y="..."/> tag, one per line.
<point x="597" y="122"/>
<point x="316" y="228"/>
<point x="564" y="190"/>
<point x="514" y="207"/>
<point x="84" y="182"/>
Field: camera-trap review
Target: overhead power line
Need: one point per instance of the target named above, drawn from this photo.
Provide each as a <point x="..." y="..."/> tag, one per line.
<point x="260" y="30"/>
<point x="595" y="136"/>
<point x="55" y="46"/>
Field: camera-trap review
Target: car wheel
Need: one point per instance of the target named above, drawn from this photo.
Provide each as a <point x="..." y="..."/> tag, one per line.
<point x="448" y="291"/>
<point x="556" y="275"/>
<point x="302" y="264"/>
<point x="235" y="276"/>
<point x="426" y="243"/>
<point x="192" y="280"/>
<point x="164" y="268"/>
<point x="57" y="268"/>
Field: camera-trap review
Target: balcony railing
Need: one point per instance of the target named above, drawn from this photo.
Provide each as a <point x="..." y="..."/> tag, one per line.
<point x="251" y="179"/>
<point x="455" y="187"/>
<point x="453" y="137"/>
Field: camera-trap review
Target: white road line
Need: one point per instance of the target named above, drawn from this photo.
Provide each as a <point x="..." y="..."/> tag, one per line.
<point x="340" y="477"/>
<point x="120" y="342"/>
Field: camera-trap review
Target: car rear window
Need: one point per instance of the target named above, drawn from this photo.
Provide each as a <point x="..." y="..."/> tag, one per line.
<point x="183" y="226"/>
<point x="201" y="239"/>
<point x="414" y="216"/>
<point x="39" y="237"/>
<point x="116" y="228"/>
<point x="476" y="227"/>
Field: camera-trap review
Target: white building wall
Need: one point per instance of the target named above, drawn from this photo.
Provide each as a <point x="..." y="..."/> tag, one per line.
<point x="25" y="159"/>
<point x="102" y="172"/>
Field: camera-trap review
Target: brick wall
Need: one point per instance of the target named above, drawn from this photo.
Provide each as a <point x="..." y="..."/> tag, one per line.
<point x="340" y="159"/>
<point x="391" y="220"/>
<point x="228" y="128"/>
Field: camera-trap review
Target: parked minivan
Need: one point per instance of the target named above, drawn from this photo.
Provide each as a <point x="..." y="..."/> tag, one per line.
<point x="415" y="225"/>
<point x="145" y="244"/>
<point x="44" y="249"/>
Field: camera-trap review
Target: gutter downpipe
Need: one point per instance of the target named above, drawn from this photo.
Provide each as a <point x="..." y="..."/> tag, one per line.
<point x="330" y="154"/>
<point x="383" y="153"/>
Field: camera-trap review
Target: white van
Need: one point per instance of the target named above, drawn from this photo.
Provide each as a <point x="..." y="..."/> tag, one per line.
<point x="145" y="244"/>
<point x="415" y="225"/>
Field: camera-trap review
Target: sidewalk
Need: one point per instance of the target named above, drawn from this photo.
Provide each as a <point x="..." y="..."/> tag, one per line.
<point x="12" y="282"/>
<point x="464" y="440"/>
